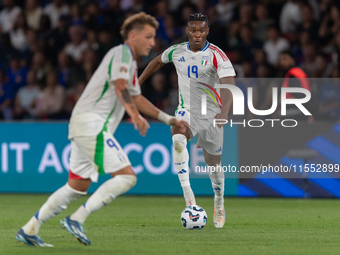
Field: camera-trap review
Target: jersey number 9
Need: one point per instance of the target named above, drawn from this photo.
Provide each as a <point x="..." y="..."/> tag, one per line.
<point x="112" y="144"/>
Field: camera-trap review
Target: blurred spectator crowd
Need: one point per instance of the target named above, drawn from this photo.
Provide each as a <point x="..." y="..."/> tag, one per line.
<point x="50" y="49"/>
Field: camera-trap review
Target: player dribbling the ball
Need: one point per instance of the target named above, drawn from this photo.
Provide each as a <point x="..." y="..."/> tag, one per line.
<point x="199" y="65"/>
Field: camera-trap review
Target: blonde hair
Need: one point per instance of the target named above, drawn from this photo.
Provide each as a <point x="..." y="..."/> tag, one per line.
<point x="137" y="21"/>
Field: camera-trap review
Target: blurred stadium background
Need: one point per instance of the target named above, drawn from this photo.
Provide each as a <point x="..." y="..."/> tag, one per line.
<point x="50" y="49"/>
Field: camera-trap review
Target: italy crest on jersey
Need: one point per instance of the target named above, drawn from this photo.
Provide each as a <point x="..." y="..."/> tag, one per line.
<point x="205" y="60"/>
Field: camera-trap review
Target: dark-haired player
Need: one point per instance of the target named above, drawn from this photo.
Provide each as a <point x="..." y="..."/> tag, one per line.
<point x="112" y="90"/>
<point x="199" y="65"/>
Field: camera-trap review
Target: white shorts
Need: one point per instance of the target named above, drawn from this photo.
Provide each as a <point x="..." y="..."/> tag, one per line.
<point x="94" y="155"/>
<point x="210" y="138"/>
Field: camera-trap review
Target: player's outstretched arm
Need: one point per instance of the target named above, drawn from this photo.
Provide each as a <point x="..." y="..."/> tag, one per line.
<point x="226" y="98"/>
<point x="125" y="98"/>
<point x="147" y="108"/>
<point x="152" y="67"/>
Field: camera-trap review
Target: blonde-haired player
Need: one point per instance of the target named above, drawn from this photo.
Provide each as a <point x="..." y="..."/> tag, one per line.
<point x="112" y="90"/>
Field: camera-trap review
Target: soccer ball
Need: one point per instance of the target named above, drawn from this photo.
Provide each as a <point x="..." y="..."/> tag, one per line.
<point x="194" y="217"/>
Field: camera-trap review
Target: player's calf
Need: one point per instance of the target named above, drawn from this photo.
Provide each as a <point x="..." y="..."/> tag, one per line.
<point x="104" y="195"/>
<point x="181" y="159"/>
<point x="217" y="182"/>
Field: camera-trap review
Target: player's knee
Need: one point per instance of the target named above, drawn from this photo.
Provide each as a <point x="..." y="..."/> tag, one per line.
<point x="134" y="181"/>
<point x="179" y="142"/>
<point x="212" y="161"/>
<point x="177" y="131"/>
<point x="129" y="180"/>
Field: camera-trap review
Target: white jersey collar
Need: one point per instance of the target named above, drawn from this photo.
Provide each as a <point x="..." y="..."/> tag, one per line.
<point x="130" y="50"/>
<point x="204" y="48"/>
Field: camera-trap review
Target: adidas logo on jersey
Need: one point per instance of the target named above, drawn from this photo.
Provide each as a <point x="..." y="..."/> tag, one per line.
<point x="181" y="59"/>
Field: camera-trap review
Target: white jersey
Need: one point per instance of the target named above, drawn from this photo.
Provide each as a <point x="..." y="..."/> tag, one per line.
<point x="98" y="108"/>
<point x="198" y="72"/>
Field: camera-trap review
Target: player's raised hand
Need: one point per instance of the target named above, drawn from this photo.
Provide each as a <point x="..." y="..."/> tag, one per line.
<point x="140" y="124"/>
<point x="179" y="124"/>
<point x="223" y="116"/>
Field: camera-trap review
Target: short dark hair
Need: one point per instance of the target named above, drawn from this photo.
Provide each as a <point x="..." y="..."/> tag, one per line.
<point x="198" y="17"/>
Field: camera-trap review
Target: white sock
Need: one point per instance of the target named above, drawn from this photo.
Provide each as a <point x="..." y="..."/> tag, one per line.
<point x="104" y="195"/>
<point x="217" y="182"/>
<point x="181" y="159"/>
<point x="56" y="203"/>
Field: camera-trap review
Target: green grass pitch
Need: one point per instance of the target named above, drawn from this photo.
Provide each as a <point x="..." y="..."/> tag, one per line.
<point x="151" y="225"/>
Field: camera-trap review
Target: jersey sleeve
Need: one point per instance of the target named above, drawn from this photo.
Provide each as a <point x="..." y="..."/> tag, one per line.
<point x="133" y="87"/>
<point x="223" y="65"/>
<point x="167" y="54"/>
<point x="122" y="67"/>
<point x="120" y="64"/>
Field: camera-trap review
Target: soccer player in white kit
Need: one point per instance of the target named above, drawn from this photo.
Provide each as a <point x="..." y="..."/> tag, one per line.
<point x="199" y="65"/>
<point x="112" y="90"/>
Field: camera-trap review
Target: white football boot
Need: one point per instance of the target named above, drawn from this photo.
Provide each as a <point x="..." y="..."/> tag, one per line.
<point x="219" y="217"/>
<point x="190" y="202"/>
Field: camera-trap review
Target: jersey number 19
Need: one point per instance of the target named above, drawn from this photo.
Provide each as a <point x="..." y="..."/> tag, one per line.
<point x="194" y="70"/>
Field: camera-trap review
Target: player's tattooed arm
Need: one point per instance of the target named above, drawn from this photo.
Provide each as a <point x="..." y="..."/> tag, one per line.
<point x="125" y="97"/>
<point x="152" y="67"/>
